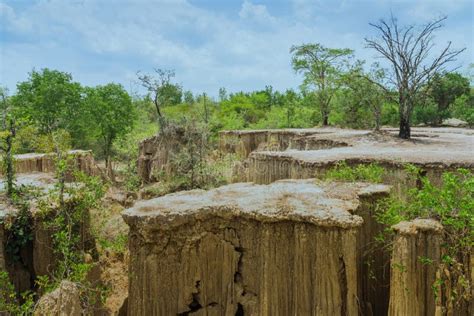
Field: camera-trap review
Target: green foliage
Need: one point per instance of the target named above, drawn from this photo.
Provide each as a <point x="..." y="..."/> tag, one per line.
<point x="112" y="114"/>
<point x="65" y="211"/>
<point x="190" y="164"/>
<point x="390" y="115"/>
<point x="427" y="114"/>
<point x="452" y="204"/>
<point x="10" y="302"/>
<point x="50" y="99"/>
<point x="368" y="173"/>
<point x="361" y="97"/>
<point x="444" y="89"/>
<point x="18" y="232"/>
<point x="463" y="108"/>
<point x="322" y="69"/>
<point x="66" y="220"/>
<point x="118" y="245"/>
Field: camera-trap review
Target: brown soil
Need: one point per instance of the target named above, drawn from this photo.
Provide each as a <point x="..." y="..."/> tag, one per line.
<point x="289" y="248"/>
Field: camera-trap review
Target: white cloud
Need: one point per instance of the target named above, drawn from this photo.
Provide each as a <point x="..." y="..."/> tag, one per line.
<point x="256" y="12"/>
<point x="99" y="42"/>
<point x="11" y="22"/>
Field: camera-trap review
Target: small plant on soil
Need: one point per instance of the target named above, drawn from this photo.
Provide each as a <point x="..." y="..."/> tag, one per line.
<point x="362" y="172"/>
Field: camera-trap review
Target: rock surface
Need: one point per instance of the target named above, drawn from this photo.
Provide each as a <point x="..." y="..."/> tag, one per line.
<point x="289" y="248"/>
<point x="454" y="122"/>
<point x="64" y="301"/>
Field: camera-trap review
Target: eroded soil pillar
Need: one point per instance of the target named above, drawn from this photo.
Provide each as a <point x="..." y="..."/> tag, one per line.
<point x="288" y="248"/>
<point x="415" y="257"/>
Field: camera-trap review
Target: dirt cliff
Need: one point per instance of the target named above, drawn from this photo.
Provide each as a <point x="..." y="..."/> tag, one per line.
<point x="80" y="159"/>
<point x="412" y="278"/>
<point x="433" y="150"/>
<point x="155" y="152"/>
<point x="281" y="249"/>
<point x="243" y="142"/>
<point x="416" y="285"/>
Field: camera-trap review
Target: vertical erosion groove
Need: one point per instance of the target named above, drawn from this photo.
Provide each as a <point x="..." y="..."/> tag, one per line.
<point x="343" y="285"/>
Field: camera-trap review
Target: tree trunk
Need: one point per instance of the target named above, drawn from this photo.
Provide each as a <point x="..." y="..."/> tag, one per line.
<point x="404" y="109"/>
<point x="325" y="120"/>
<point x="442" y="106"/>
<point x="9" y="162"/>
<point x="377" y="117"/>
<point x="110" y="171"/>
<point x="323" y="101"/>
<point x="404" y="127"/>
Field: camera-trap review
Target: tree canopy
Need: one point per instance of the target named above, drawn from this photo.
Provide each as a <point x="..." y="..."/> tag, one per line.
<point x="322" y="68"/>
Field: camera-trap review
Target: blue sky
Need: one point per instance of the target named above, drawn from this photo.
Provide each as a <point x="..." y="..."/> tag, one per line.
<point x="239" y="45"/>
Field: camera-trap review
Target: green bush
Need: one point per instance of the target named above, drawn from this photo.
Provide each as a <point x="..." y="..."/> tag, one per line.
<point x="452" y="204"/>
<point x="366" y="173"/>
<point x="427" y="114"/>
<point x="463" y="108"/>
<point x="10" y="302"/>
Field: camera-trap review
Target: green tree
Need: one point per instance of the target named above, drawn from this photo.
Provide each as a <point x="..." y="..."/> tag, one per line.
<point x="445" y="88"/>
<point x="161" y="90"/>
<point x="322" y="68"/>
<point x="50" y="99"/>
<point x="463" y="108"/>
<point x="363" y="94"/>
<point x="7" y="135"/>
<point x="112" y="113"/>
<point x="222" y="94"/>
<point x="188" y="97"/>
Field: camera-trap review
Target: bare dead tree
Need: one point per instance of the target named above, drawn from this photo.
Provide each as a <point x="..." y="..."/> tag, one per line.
<point x="156" y="86"/>
<point x="409" y="51"/>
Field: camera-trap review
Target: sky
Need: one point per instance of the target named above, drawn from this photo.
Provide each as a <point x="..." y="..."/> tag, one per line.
<point x="239" y="45"/>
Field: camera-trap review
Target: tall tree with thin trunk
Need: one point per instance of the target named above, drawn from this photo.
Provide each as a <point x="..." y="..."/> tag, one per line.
<point x="161" y="90"/>
<point x="7" y="135"/>
<point x="112" y="113"/>
<point x="322" y="68"/>
<point x="409" y="51"/>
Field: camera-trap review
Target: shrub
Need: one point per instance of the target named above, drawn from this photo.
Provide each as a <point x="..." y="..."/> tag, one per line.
<point x="191" y="164"/>
<point x="10" y="301"/>
<point x="366" y="173"/>
<point x="452" y="204"/>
